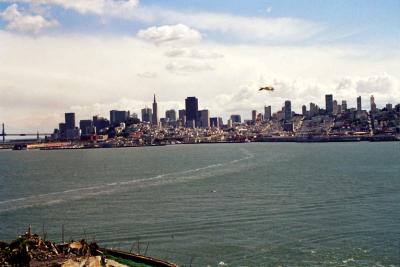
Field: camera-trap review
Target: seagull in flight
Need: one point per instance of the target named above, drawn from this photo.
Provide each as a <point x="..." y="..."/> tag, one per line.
<point x="266" y="88"/>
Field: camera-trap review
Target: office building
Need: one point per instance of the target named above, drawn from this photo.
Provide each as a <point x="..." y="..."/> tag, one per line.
<point x="254" y="115"/>
<point x="329" y="104"/>
<point x="118" y="116"/>
<point x="216" y="122"/>
<point x="373" y="105"/>
<point x="359" y="106"/>
<point x="267" y="113"/>
<point x="182" y="117"/>
<point x="147" y="114"/>
<point x="335" y="107"/>
<point x="100" y="123"/>
<point x="191" y="108"/>
<point x="344" y="105"/>
<point x="236" y="118"/>
<point x="62" y="131"/>
<point x="154" y="118"/>
<point x="288" y="110"/>
<point x="304" y="110"/>
<point x="339" y="109"/>
<point x="70" y="120"/>
<point x="87" y="127"/>
<point x="314" y="110"/>
<point x="204" y="119"/>
<point x="170" y="115"/>
<point x="182" y="114"/>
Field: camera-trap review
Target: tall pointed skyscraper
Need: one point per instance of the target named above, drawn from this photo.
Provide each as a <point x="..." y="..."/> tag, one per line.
<point x="154" y="120"/>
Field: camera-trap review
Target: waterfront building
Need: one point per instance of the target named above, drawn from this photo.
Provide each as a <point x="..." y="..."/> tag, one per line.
<point x="344" y="105"/>
<point x="70" y="120"/>
<point x="191" y="108"/>
<point x="235" y="118"/>
<point x="147" y="114"/>
<point x="373" y="105"/>
<point x="154" y="118"/>
<point x="288" y="110"/>
<point x="204" y="119"/>
<point x="329" y="104"/>
<point x="267" y="113"/>
<point x="254" y="115"/>
<point x="170" y="115"/>
<point x="118" y="116"/>
<point x="87" y="127"/>
<point x="359" y="106"/>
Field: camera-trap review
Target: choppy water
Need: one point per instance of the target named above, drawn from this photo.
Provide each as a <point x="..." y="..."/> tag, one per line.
<point x="265" y="204"/>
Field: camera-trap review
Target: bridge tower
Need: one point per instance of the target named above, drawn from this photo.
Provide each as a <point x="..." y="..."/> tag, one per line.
<point x="3" y="133"/>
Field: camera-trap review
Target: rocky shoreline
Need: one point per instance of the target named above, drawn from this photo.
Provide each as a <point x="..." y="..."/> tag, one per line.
<point x="31" y="250"/>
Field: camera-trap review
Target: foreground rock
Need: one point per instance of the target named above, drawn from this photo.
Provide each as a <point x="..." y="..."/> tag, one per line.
<point x="30" y="250"/>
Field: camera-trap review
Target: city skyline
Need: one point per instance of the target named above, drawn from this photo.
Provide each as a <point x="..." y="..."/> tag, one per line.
<point x="59" y="56"/>
<point x="147" y="114"/>
<point x="196" y="119"/>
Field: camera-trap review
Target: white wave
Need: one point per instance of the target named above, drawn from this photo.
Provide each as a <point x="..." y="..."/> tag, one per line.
<point x="54" y="198"/>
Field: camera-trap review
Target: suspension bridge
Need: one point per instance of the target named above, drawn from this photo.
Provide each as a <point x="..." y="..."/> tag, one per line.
<point x="3" y="134"/>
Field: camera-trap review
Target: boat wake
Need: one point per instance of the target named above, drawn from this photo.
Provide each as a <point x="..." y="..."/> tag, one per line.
<point x="185" y="176"/>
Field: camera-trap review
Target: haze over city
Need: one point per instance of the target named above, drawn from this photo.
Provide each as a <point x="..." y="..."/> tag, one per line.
<point x="91" y="57"/>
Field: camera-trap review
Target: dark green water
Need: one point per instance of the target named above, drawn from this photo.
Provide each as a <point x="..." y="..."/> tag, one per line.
<point x="334" y="204"/>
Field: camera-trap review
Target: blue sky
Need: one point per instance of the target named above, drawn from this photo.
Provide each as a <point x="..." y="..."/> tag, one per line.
<point x="92" y="56"/>
<point x="361" y="21"/>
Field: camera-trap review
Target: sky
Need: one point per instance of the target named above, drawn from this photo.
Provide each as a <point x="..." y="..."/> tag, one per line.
<point x="91" y="56"/>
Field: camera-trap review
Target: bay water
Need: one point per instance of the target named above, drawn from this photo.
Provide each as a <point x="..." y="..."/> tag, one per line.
<point x="256" y="204"/>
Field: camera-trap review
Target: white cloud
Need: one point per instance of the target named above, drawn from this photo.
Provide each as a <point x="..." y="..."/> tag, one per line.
<point x="245" y="28"/>
<point x="22" y="22"/>
<point x="385" y="88"/>
<point x="147" y="75"/>
<point x="183" y="67"/>
<point x="124" y="8"/>
<point x="192" y="53"/>
<point x="170" y="34"/>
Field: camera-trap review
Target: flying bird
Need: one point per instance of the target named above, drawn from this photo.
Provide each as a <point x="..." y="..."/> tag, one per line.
<point x="266" y="88"/>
